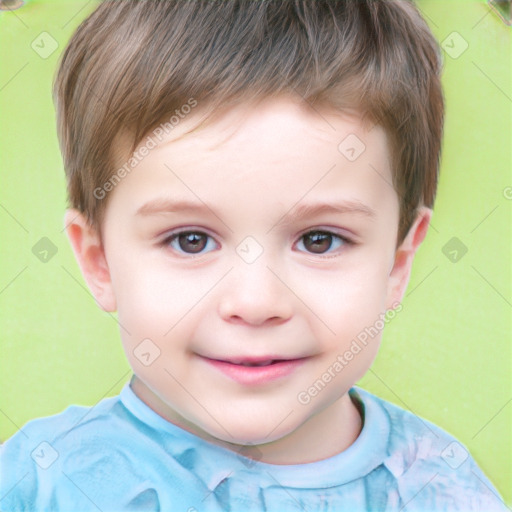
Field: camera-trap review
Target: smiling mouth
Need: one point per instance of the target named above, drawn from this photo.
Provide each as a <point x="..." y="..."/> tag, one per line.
<point x="255" y="363"/>
<point x="256" y="371"/>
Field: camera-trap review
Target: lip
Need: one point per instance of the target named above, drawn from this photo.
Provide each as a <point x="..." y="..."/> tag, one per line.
<point x="255" y="375"/>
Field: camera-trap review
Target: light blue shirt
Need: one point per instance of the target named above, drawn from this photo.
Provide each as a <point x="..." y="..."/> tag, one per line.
<point x="121" y="455"/>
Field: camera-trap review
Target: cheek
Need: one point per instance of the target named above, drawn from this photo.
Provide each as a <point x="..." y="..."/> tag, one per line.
<point x="354" y="311"/>
<point x="153" y="297"/>
<point x="345" y="301"/>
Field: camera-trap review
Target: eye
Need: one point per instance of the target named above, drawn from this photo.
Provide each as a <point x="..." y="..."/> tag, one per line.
<point x="320" y="242"/>
<point x="190" y="242"/>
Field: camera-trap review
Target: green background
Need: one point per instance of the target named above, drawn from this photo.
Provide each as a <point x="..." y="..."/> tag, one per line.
<point x="446" y="356"/>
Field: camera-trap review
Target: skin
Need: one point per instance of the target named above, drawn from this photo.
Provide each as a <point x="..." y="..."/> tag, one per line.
<point x="299" y="299"/>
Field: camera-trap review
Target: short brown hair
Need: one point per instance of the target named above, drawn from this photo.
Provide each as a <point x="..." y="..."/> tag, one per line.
<point x="132" y="63"/>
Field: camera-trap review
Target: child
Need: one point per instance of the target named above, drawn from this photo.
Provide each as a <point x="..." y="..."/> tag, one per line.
<point x="294" y="145"/>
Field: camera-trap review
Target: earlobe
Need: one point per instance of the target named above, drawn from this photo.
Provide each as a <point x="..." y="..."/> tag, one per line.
<point x="90" y="255"/>
<point x="404" y="256"/>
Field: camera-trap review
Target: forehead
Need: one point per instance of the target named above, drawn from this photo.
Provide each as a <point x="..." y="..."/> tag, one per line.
<point x="265" y="124"/>
<point x="280" y="150"/>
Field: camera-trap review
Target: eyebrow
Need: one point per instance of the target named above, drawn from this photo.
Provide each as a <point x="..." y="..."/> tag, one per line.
<point x="164" y="205"/>
<point x="304" y="211"/>
<point x="297" y="213"/>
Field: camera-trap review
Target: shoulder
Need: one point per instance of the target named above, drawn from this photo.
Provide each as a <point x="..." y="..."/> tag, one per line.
<point x="89" y="458"/>
<point x="432" y="470"/>
<point x="40" y="437"/>
<point x="49" y="452"/>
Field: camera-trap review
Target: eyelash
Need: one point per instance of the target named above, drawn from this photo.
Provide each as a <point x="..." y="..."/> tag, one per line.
<point x="175" y="235"/>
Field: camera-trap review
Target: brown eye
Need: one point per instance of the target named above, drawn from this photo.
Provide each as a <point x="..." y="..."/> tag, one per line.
<point x="189" y="242"/>
<point x="319" y="242"/>
<point x="192" y="242"/>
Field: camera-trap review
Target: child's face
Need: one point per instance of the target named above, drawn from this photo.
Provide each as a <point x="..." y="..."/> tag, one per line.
<point x="249" y="286"/>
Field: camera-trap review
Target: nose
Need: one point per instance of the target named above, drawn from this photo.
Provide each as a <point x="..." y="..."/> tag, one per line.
<point x="253" y="295"/>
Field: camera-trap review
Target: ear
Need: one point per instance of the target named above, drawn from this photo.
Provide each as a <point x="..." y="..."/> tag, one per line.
<point x="404" y="256"/>
<point x="90" y="255"/>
